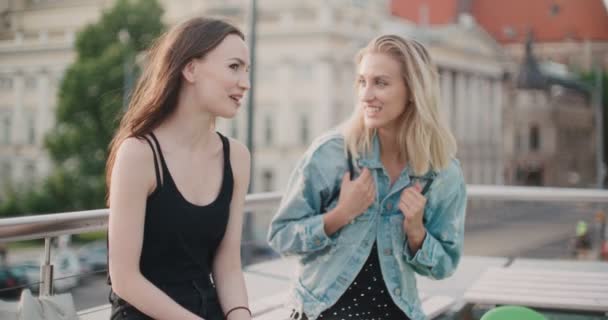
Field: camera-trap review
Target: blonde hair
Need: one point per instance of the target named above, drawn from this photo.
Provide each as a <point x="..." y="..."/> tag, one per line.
<point x="423" y="134"/>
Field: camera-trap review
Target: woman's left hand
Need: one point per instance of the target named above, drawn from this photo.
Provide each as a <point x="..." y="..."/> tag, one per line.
<point x="412" y="204"/>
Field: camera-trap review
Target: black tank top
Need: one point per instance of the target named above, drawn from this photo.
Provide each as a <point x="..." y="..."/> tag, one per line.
<point x="181" y="238"/>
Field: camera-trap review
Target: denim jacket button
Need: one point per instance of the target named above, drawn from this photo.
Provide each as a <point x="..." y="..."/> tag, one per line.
<point x="397" y="292"/>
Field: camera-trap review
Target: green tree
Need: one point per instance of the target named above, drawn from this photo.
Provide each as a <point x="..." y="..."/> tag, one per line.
<point x="90" y="104"/>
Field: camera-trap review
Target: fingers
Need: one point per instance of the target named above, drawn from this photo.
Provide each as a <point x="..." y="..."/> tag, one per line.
<point x="371" y="193"/>
<point x="365" y="183"/>
<point x="413" y="199"/>
<point x="364" y="177"/>
<point x="346" y="177"/>
<point x="414" y="192"/>
<point x="411" y="203"/>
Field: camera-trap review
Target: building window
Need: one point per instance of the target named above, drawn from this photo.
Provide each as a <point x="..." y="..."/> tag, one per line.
<point x="30" y="83"/>
<point x="5" y="172"/>
<point x="534" y="138"/>
<point x="268" y="134"/>
<point x="30" y="172"/>
<point x="304" y="130"/>
<point x="267" y="181"/>
<point x="555" y="9"/>
<point x="6" y="83"/>
<point x="31" y="132"/>
<point x="359" y="3"/>
<point x="303" y="71"/>
<point x="509" y="32"/>
<point x="6" y="129"/>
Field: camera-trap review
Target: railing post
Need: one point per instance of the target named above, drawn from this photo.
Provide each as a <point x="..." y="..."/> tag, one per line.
<point x="46" y="270"/>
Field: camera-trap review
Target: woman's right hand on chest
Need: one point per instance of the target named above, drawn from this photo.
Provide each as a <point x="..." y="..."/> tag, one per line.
<point x="356" y="196"/>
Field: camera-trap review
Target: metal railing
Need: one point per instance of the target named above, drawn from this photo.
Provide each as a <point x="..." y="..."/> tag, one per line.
<point x="48" y="226"/>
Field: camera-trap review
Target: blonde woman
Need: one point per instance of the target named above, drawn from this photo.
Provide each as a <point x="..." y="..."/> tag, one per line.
<point x="382" y="199"/>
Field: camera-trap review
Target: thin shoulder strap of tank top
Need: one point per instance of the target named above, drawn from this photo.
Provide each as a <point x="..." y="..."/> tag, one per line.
<point x="226" y="148"/>
<point x="228" y="177"/>
<point x="156" y="168"/>
<point x="160" y="154"/>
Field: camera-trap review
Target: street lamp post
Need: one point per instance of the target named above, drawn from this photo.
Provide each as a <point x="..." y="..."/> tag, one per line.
<point x="251" y="96"/>
<point x="248" y="219"/>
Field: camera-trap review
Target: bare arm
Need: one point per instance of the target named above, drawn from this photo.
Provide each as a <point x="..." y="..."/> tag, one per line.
<point x="132" y="180"/>
<point x="227" y="271"/>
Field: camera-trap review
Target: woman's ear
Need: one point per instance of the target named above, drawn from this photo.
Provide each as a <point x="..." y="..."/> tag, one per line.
<point x="189" y="71"/>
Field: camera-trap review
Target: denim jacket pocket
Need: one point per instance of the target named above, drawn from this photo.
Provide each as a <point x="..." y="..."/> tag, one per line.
<point x="351" y="233"/>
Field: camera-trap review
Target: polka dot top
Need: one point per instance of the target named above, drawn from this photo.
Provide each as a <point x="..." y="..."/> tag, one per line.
<point x="367" y="298"/>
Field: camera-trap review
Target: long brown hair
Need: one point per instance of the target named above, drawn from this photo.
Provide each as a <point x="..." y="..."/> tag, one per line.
<point x="155" y="95"/>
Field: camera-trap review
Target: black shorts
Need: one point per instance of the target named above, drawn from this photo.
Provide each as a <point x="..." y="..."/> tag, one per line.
<point x="199" y="299"/>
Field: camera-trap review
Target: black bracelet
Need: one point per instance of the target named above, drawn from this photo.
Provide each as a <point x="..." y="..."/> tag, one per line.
<point x="236" y="308"/>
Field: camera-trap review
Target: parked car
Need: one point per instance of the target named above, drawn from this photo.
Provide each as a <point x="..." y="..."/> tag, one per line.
<point x="66" y="271"/>
<point x="30" y="270"/>
<point x="94" y="257"/>
<point x="11" y="282"/>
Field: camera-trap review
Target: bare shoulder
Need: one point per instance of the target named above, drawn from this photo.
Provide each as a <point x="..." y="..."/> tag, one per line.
<point x="134" y="150"/>
<point x="135" y="160"/>
<point x="240" y="158"/>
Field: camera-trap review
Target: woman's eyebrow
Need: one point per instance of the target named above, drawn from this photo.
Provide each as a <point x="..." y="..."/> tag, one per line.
<point x="239" y="60"/>
<point x="377" y="76"/>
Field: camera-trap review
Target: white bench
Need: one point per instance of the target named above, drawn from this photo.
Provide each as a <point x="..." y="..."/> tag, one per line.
<point x="549" y="289"/>
<point x="96" y="313"/>
<point x="271" y="308"/>
<point x="258" y="307"/>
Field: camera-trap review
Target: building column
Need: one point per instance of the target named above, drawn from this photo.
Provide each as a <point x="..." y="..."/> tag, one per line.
<point x="447" y="96"/>
<point x="324" y="77"/>
<point x="497" y="128"/>
<point x="460" y="119"/>
<point x="286" y="120"/>
<point x="43" y="108"/>
<point x="326" y="16"/>
<point x="487" y="149"/>
<point x="17" y="117"/>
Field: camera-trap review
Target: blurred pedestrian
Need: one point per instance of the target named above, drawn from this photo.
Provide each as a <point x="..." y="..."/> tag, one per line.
<point x="378" y="201"/>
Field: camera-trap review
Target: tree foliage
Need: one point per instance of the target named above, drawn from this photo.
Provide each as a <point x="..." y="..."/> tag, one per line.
<point x="90" y="104"/>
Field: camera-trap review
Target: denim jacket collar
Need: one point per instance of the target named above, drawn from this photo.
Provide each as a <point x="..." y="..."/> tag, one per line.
<point x="371" y="159"/>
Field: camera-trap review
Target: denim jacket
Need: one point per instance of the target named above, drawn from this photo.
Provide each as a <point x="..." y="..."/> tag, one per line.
<point x="329" y="264"/>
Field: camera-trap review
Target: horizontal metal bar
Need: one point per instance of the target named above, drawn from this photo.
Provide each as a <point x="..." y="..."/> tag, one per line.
<point x="51" y="225"/>
<point x="56" y="224"/>
<point x="488" y="192"/>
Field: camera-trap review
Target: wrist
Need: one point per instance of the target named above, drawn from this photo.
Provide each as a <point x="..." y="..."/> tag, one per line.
<point x="343" y="216"/>
<point x="333" y="221"/>
<point x="238" y="313"/>
<point x="416" y="234"/>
